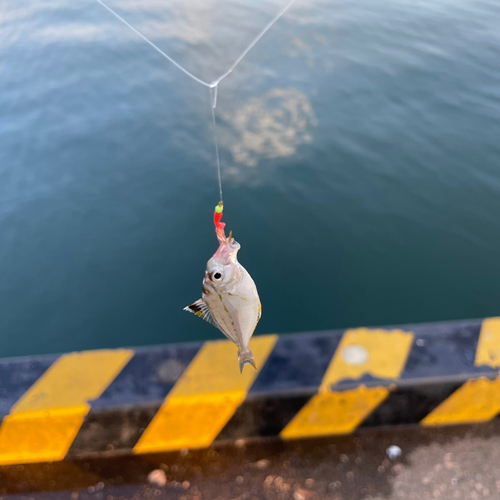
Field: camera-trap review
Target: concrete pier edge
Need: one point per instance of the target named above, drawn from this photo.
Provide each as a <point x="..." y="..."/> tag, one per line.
<point x="166" y="398"/>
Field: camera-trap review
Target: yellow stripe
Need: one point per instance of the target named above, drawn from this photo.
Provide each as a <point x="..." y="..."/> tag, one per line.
<point x="44" y="422"/>
<point x="477" y="400"/>
<point x="386" y="355"/>
<point x="379" y="353"/>
<point x="488" y="349"/>
<point x="335" y="412"/>
<point x="204" y="398"/>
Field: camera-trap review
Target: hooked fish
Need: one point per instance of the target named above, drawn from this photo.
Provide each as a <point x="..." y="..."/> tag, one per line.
<point x="230" y="301"/>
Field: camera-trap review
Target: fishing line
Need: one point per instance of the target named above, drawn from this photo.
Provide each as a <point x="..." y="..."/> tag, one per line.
<point x="212" y="107"/>
<point x="267" y="27"/>
<point x="175" y="63"/>
<point x="212" y="86"/>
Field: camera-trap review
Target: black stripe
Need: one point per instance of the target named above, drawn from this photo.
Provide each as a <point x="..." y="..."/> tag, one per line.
<point x="297" y="362"/>
<point x="118" y="429"/>
<point x="17" y="376"/>
<point x="409" y="405"/>
<point x="260" y="417"/>
<point x="444" y="349"/>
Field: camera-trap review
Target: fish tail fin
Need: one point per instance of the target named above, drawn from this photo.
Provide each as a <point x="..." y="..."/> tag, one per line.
<point x="246" y="358"/>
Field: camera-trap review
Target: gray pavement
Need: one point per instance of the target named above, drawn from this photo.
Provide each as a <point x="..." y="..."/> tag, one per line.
<point x="455" y="463"/>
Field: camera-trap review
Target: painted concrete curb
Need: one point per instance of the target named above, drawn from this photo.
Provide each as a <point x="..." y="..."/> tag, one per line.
<point x="171" y="397"/>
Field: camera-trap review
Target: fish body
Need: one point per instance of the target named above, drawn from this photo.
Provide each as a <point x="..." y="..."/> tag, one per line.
<point x="230" y="301"/>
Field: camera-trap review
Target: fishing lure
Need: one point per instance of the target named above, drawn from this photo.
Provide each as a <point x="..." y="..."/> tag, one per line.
<point x="230" y="301"/>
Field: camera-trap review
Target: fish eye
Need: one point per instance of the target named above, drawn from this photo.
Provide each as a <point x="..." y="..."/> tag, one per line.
<point x="217" y="276"/>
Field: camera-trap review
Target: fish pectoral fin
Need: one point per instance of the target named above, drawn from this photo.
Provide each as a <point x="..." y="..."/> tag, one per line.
<point x="201" y="310"/>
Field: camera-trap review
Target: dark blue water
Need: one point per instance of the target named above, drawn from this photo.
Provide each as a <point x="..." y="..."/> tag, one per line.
<point x="360" y="148"/>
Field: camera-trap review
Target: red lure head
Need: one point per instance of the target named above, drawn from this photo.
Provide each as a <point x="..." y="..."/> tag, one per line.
<point x="228" y="247"/>
<point x="219" y="226"/>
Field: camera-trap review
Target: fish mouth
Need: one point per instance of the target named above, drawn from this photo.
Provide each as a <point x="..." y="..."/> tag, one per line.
<point x="207" y="282"/>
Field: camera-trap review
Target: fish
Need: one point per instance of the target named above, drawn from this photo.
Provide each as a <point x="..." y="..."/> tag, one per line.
<point x="229" y="301"/>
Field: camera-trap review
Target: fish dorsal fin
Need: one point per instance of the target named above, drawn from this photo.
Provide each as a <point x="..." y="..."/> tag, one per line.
<point x="201" y="310"/>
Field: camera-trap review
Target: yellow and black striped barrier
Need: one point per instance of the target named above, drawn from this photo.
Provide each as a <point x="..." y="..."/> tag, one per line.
<point x="190" y="396"/>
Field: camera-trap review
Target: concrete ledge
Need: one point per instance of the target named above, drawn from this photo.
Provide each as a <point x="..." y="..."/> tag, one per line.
<point x="190" y="396"/>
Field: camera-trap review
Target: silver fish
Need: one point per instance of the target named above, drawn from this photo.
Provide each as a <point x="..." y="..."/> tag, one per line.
<point x="230" y="301"/>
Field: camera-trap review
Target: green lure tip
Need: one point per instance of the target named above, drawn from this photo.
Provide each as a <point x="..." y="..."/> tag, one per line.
<point x="219" y="208"/>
